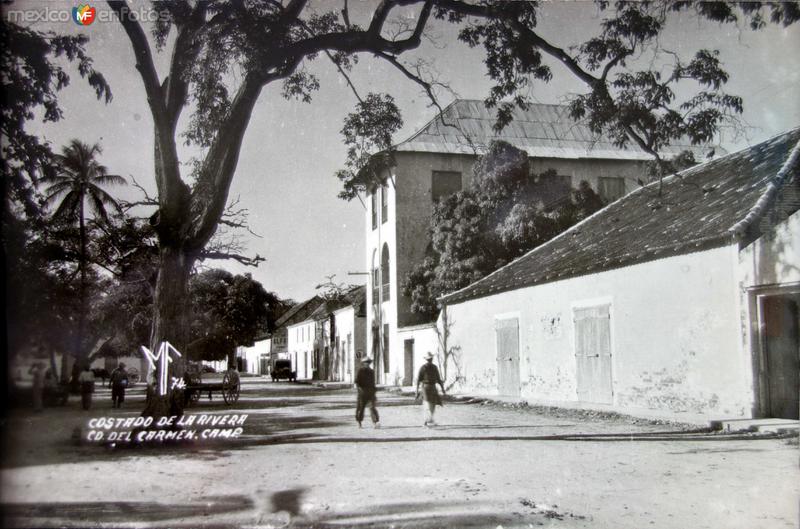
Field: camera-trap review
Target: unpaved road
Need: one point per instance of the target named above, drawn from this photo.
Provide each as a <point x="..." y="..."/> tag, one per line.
<point x="302" y="462"/>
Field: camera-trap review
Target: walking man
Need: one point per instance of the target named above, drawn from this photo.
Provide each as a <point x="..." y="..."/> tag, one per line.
<point x="428" y="377"/>
<point x="118" y="383"/>
<point x="365" y="382"/>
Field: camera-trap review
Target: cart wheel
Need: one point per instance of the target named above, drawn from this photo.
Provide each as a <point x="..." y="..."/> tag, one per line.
<point x="230" y="387"/>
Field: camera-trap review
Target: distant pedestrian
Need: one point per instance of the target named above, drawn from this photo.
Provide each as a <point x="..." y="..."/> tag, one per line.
<point x="37" y="370"/>
<point x="118" y="382"/>
<point x="86" y="380"/>
<point x="365" y="382"/>
<point x="428" y="377"/>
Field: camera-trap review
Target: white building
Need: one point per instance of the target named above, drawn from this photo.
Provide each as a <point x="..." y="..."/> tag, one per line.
<point x="300" y="339"/>
<point x="437" y="161"/>
<point x="254" y="359"/>
<point x="681" y="304"/>
<point x="339" y="335"/>
<point x="279" y="343"/>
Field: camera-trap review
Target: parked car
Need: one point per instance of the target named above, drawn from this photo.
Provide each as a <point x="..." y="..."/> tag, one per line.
<point x="208" y="369"/>
<point x="282" y="369"/>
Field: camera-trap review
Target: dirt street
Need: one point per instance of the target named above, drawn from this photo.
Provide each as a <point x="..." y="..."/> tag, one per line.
<point x="301" y="461"/>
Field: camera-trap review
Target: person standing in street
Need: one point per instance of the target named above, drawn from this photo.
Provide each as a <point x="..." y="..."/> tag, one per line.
<point x="37" y="370"/>
<point x="118" y="382"/>
<point x="86" y="380"/>
<point x="428" y="377"/>
<point x="365" y="383"/>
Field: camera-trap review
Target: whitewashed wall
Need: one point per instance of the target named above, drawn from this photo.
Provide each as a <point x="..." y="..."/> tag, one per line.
<point x="384" y="233"/>
<point x="675" y="338"/>
<point x="775" y="258"/>
<point x="425" y="340"/>
<point x="252" y="356"/>
<point x="300" y="347"/>
<point x="348" y="324"/>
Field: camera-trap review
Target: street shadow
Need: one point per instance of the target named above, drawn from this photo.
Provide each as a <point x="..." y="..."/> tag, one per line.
<point x="99" y="513"/>
<point x="271" y="423"/>
<point x="434" y="514"/>
<point x="63" y="445"/>
<point x="430" y="435"/>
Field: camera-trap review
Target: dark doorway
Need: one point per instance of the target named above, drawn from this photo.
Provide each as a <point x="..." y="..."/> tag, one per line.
<point x="408" y="347"/>
<point x="780" y="332"/>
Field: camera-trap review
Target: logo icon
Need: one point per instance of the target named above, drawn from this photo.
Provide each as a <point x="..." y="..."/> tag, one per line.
<point x="83" y="15"/>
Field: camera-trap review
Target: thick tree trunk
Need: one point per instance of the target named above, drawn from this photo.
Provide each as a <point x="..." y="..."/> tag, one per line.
<point x="170" y="324"/>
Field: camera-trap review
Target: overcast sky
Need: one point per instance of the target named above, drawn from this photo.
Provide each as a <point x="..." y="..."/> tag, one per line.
<point x="285" y="176"/>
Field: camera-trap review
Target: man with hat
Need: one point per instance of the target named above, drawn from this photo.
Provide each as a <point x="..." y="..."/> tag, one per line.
<point x="365" y="382"/>
<point x="428" y="377"/>
<point x="118" y="383"/>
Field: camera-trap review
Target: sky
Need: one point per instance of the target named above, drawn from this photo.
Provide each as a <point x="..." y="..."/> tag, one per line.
<point x="285" y="176"/>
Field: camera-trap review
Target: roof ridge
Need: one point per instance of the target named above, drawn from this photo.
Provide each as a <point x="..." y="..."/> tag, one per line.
<point x="769" y="195"/>
<point x="455" y="102"/>
<point x="292" y="311"/>
<point x="429" y="123"/>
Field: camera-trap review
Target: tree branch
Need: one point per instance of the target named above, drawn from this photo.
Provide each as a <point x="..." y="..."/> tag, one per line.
<point x="210" y="194"/>
<point x="186" y="49"/>
<point x="242" y="259"/>
<point x="147" y="201"/>
<point x="144" y="57"/>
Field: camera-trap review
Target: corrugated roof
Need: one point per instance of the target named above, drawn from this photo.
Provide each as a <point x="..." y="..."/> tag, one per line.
<point x="544" y="131"/>
<point x="703" y="207"/>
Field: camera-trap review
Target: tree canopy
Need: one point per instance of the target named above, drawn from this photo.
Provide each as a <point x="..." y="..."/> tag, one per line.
<point x="632" y="84"/>
<point x="228" y="310"/>
<point x="497" y="219"/>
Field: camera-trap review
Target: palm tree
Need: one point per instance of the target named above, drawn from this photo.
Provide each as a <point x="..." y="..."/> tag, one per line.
<point x="75" y="182"/>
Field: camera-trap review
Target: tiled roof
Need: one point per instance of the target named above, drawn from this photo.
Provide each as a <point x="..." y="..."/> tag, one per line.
<point x="354" y="297"/>
<point x="298" y="312"/>
<point x="544" y="131"/>
<point x="707" y="206"/>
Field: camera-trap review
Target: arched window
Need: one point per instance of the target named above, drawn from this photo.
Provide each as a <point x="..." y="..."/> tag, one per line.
<point x="385" y="271"/>
<point x="375" y="277"/>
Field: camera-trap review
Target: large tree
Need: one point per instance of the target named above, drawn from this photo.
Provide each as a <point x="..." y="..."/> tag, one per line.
<point x="223" y="54"/>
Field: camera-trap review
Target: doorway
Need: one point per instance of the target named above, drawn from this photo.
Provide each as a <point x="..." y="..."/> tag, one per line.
<point x="780" y="358"/>
<point x="507" y="343"/>
<point x="593" y="354"/>
<point x="408" y="364"/>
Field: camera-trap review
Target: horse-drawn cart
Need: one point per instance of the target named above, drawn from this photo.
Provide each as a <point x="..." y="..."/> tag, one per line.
<point x="229" y="387"/>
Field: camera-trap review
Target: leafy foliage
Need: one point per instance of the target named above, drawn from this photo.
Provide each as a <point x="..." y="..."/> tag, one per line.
<point x="77" y="179"/>
<point x="228" y="310"/>
<point x="628" y="104"/>
<point x="31" y="81"/>
<point x="499" y="218"/>
<point x="368" y="136"/>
